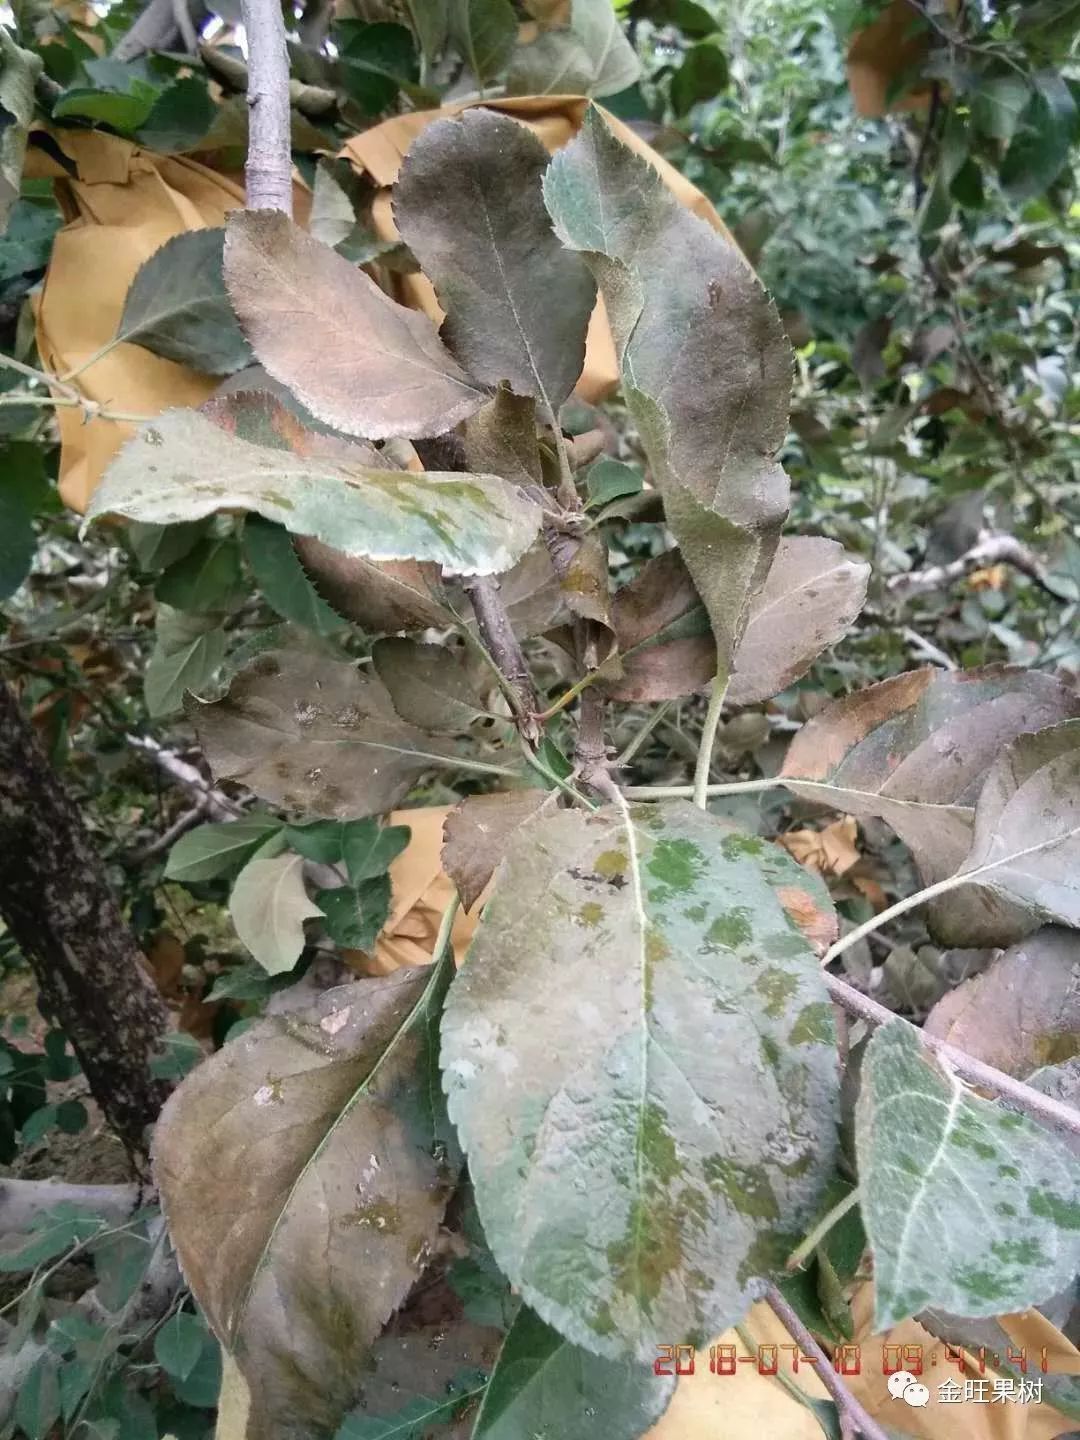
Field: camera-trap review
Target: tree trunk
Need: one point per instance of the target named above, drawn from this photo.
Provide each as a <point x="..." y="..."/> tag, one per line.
<point x="57" y="905"/>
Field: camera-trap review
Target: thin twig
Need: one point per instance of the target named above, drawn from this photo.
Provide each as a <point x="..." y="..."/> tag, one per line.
<point x="989" y="549"/>
<point x="216" y="804"/>
<point x="504" y="647"/>
<point x="848" y="1406"/>
<point x="268" y="171"/>
<point x="165" y="841"/>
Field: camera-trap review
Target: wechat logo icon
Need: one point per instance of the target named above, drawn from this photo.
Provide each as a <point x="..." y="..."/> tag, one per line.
<point x="904" y="1386"/>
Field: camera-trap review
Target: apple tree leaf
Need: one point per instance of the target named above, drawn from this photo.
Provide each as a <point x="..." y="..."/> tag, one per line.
<point x="320" y="737"/>
<point x="355" y="358"/>
<point x="968" y="1206"/>
<point x="640" y="1060"/>
<point x="304" y="1170"/>
<point x="706" y="366"/>
<point x="177" y="306"/>
<point x="589" y="56"/>
<point x="268" y="906"/>
<point x="477" y="832"/>
<point x="428" y="684"/>
<point x="469" y="205"/>
<point x="181" y="466"/>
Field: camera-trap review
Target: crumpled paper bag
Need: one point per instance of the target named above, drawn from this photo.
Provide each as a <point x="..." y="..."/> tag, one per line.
<point x="125" y="202"/>
<point x="121" y="204"/>
<point x="420" y="891"/>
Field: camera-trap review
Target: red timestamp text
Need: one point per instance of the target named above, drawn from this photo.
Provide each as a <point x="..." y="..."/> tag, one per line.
<point x="768" y="1359"/>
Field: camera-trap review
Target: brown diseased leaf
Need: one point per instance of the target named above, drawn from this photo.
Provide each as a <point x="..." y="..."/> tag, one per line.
<point x="501" y="439"/>
<point x="315" y="736"/>
<point x="379" y="596"/>
<point x="468" y="203"/>
<point x="355" y="358"/>
<point x="813" y="592"/>
<point x="477" y="833"/>
<point x="1022" y="1013"/>
<point x="914" y="751"/>
<point x="428" y="684"/>
<point x="304" y="1171"/>
<point x="705" y="364"/>
<point x="809" y="600"/>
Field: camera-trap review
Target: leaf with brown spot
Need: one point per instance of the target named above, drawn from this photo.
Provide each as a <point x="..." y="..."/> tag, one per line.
<point x="182" y="466"/>
<point x="354" y="357"/>
<point x="816" y="921"/>
<point x="813" y="592"/>
<point x="477" y="833"/>
<point x="1021" y="1013"/>
<point x="315" y="736"/>
<point x="304" y="1171"/>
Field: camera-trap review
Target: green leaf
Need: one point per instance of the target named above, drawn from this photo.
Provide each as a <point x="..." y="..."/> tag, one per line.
<point x="701" y="76"/>
<point x="356" y="359"/>
<point x="369" y="849"/>
<point x="37" y="1401"/>
<point x="121" y="111"/>
<point x="27" y="243"/>
<point x="1026" y="844"/>
<point x="375" y="62"/>
<point x="543" y="1385"/>
<point x="268" y="906"/>
<point x="19" y="70"/>
<point x="318" y="840"/>
<point x="212" y="850"/>
<point x="590" y="56"/>
<point x="609" y="480"/>
<point x="483" y="31"/>
<point x="206" y="579"/>
<point x="179" y="1344"/>
<point x="179" y="117"/>
<point x="969" y="1207"/>
<point x="317" y="736"/>
<point x="156" y="547"/>
<point x="1040" y="146"/>
<point x="187" y="655"/>
<point x="283" y="580"/>
<point x="305" y="1169"/>
<point x="469" y="205"/>
<point x="998" y="103"/>
<point x="356" y="914"/>
<point x="177" y="306"/>
<point x="640" y="1060"/>
<point x="428" y="684"/>
<point x="18" y="541"/>
<point x="180" y="1053"/>
<point x="705" y="364"/>
<point x="51" y="1234"/>
<point x="337" y="491"/>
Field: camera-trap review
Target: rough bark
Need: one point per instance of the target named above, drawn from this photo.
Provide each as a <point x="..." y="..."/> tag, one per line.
<point x="57" y="905"/>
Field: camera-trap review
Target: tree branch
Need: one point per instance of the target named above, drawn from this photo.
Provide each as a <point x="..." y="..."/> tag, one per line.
<point x="989" y="549"/>
<point x="851" y="1412"/>
<point x="268" y="171"/>
<point x="158" y="28"/>
<point x="216" y="804"/>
